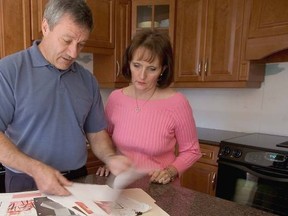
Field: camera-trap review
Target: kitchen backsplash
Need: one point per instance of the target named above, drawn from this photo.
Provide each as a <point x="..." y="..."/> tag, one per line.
<point x="263" y="110"/>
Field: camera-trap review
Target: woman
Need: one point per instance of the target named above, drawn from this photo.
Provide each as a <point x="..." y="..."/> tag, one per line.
<point x="147" y="118"/>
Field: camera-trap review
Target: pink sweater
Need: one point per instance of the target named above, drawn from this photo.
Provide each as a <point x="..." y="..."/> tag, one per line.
<point x="149" y="136"/>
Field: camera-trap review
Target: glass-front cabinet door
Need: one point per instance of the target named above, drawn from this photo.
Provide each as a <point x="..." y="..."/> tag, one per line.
<point x="157" y="14"/>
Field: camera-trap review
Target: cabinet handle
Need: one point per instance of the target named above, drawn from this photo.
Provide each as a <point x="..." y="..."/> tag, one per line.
<point x="199" y="67"/>
<point x="214" y="181"/>
<point x="206" y="67"/>
<point x="204" y="154"/>
<point x="118" y="68"/>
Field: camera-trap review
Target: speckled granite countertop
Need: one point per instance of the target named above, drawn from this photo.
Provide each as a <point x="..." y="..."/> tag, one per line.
<point x="179" y="201"/>
<point x="215" y="136"/>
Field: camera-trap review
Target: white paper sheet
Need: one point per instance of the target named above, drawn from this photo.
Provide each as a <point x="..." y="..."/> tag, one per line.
<point x="101" y="200"/>
<point x="86" y="200"/>
<point x="18" y="204"/>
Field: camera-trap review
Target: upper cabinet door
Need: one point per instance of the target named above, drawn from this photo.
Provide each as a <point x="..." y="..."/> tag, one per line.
<point x="37" y="10"/>
<point x="123" y="36"/>
<point x="189" y="42"/>
<point x="223" y="40"/>
<point x="268" y="18"/>
<point x="268" y="28"/>
<point x="208" y="40"/>
<point x="14" y="27"/>
<point x="155" y="14"/>
<point x="102" y="35"/>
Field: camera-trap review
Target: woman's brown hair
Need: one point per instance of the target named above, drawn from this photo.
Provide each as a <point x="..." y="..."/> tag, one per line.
<point x="158" y="43"/>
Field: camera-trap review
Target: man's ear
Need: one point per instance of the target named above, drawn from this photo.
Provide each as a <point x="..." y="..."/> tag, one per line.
<point x="44" y="27"/>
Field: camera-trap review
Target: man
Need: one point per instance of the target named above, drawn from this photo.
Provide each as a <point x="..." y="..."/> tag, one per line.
<point x="50" y="106"/>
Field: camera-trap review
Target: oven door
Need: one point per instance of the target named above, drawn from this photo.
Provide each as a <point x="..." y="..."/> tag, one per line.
<point x="253" y="186"/>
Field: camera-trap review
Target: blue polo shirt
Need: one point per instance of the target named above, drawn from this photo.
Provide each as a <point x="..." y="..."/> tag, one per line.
<point x="46" y="112"/>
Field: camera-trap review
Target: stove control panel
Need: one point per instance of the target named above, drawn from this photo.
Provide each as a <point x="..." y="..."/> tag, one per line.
<point x="253" y="156"/>
<point x="227" y="151"/>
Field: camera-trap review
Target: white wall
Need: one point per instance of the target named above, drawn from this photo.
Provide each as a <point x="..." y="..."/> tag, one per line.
<point x="263" y="110"/>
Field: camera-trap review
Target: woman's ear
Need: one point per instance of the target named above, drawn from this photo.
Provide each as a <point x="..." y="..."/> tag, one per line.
<point x="163" y="69"/>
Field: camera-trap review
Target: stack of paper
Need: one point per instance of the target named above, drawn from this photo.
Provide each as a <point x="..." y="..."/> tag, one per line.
<point x="86" y="200"/>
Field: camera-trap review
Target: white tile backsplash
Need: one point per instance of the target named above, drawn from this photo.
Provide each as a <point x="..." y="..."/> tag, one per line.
<point x="263" y="110"/>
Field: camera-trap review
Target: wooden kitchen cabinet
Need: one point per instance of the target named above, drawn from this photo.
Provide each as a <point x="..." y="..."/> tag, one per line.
<point x="14" y="26"/>
<point x="22" y="24"/>
<point x="93" y="163"/>
<point x="155" y="14"/>
<point x="122" y="38"/>
<point x="208" y="45"/>
<point x="268" y="28"/>
<point x="102" y="35"/>
<point x="37" y="10"/>
<point x="107" y="66"/>
<point x="203" y="174"/>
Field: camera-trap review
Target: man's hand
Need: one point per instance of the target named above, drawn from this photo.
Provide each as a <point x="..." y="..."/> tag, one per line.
<point x="50" y="181"/>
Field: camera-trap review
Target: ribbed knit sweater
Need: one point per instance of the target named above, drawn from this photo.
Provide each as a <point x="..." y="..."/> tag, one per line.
<point x="149" y="136"/>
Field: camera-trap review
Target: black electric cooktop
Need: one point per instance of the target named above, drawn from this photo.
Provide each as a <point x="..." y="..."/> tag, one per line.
<point x="261" y="141"/>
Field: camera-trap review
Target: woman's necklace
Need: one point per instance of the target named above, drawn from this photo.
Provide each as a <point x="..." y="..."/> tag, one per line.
<point x="138" y="108"/>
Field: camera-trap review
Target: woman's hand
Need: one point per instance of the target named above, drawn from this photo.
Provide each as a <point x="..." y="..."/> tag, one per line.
<point x="163" y="176"/>
<point x="103" y="171"/>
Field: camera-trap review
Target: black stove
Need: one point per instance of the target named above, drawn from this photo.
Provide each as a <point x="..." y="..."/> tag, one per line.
<point x="253" y="171"/>
<point x="261" y="141"/>
<point x="256" y="149"/>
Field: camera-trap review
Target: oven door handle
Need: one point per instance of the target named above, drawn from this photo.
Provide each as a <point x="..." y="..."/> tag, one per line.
<point x="258" y="172"/>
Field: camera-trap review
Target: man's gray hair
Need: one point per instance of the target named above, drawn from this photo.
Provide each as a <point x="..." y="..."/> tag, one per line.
<point x="79" y="11"/>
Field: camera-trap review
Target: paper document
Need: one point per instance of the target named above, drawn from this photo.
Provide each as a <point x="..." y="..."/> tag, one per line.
<point x="86" y="200"/>
<point x="101" y="200"/>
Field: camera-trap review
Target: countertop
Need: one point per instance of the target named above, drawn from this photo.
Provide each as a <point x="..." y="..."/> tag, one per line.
<point x="215" y="136"/>
<point x="176" y="200"/>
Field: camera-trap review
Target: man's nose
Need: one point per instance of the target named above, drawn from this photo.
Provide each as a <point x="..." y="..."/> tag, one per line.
<point x="73" y="51"/>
